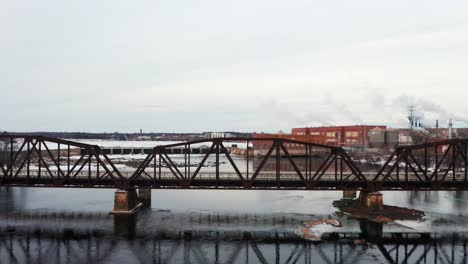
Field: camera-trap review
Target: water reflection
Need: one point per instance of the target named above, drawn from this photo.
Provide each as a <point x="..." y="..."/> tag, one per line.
<point x="24" y="246"/>
<point x="57" y="226"/>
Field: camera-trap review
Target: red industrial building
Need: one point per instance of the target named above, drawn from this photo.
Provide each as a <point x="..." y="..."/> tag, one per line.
<point x="303" y="138"/>
<point x="346" y="136"/>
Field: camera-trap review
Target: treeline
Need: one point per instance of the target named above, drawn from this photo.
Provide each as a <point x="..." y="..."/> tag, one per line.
<point x="123" y="136"/>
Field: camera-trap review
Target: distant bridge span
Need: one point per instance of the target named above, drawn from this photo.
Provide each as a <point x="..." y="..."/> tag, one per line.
<point x="37" y="161"/>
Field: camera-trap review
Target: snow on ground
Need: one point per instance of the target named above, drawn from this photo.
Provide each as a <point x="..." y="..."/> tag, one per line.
<point x="148" y="144"/>
<point x="321" y="229"/>
<point x="420" y="226"/>
<point x="135" y="144"/>
<point x="124" y="144"/>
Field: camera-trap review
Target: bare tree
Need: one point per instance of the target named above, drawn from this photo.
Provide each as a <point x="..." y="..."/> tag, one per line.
<point x="8" y="150"/>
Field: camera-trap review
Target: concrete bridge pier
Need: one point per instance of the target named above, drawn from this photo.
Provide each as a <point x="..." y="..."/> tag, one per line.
<point x="371" y="200"/>
<point x="144" y="196"/>
<point x="125" y="202"/>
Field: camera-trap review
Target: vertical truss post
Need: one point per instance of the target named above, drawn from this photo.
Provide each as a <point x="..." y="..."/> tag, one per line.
<point x="154" y="167"/>
<point x="89" y="167"/>
<point x="398" y="165"/>
<point x="406" y="167"/>
<point x="40" y="159"/>
<point x="189" y="162"/>
<point x="436" y="166"/>
<point x="68" y="160"/>
<point x="425" y="163"/>
<point x="11" y="157"/>
<point x="454" y="160"/>
<point x="336" y="166"/>
<point x="278" y="161"/>
<point x="58" y="158"/>
<point x="217" y="163"/>
<point x="247" y="169"/>
<point x="310" y="163"/>
<point x="185" y="162"/>
<point x="160" y="165"/>
<point x="341" y="168"/>
<point x="97" y="167"/>
<point x="28" y="160"/>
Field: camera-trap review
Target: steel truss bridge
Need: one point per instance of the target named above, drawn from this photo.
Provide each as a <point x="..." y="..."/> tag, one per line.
<point x="39" y="161"/>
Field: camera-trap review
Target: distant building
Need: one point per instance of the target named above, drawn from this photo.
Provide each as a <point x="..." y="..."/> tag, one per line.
<point x="143" y="138"/>
<point x="411" y="136"/>
<point x="443" y="133"/>
<point x="383" y="138"/>
<point x="261" y="147"/>
<point x="217" y="135"/>
<point x="346" y="136"/>
<point x="303" y="138"/>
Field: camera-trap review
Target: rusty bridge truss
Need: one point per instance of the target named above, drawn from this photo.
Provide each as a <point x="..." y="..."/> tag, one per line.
<point x="264" y="163"/>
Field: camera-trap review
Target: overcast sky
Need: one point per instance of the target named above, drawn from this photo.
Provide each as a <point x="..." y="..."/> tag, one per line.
<point x="230" y="65"/>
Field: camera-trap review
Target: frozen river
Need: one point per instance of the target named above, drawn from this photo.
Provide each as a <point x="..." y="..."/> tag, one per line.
<point x="73" y="226"/>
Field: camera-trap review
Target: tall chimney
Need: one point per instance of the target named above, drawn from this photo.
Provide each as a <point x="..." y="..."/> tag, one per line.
<point x="437" y="128"/>
<point x="450" y="124"/>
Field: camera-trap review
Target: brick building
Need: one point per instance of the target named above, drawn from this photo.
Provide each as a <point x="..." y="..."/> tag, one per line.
<point x="261" y="147"/>
<point x="303" y="138"/>
<point x="346" y="136"/>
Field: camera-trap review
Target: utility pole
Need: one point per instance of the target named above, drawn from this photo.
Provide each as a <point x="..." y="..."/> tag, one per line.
<point x="412" y="118"/>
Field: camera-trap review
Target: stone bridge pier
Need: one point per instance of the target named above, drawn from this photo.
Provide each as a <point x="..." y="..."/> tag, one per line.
<point x="371" y="200"/>
<point x="127" y="202"/>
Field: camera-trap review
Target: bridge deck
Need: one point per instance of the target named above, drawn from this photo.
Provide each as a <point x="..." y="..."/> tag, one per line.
<point x="230" y="180"/>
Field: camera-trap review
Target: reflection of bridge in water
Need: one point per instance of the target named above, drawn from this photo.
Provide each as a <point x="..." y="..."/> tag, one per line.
<point x="211" y="238"/>
<point x="224" y="247"/>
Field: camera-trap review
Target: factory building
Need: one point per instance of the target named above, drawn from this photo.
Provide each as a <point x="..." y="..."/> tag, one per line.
<point x="384" y="138"/>
<point x="261" y="147"/>
<point x="303" y="138"/>
<point x="345" y="136"/>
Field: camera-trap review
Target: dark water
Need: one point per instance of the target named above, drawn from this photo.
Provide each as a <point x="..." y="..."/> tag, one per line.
<point x="185" y="226"/>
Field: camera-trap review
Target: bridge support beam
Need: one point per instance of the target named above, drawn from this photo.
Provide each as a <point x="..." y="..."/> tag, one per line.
<point x="349" y="194"/>
<point x="144" y="196"/>
<point x="125" y="202"/>
<point x="372" y="201"/>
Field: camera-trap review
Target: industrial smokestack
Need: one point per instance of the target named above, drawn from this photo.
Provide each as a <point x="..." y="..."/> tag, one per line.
<point x="450" y="125"/>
